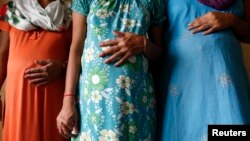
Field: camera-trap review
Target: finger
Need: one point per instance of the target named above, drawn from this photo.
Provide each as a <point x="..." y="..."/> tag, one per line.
<point x="66" y="132"/>
<point x="200" y="28"/>
<point x="114" y="57"/>
<point x="75" y="129"/>
<point x="35" y="75"/>
<point x="69" y="124"/>
<point x="193" y="25"/>
<point x="43" y="62"/>
<point x="119" y="34"/>
<point x="122" y="60"/>
<point x="57" y="124"/>
<point x="109" y="51"/>
<point x="209" y="31"/>
<point x="38" y="80"/>
<point x="43" y="83"/>
<point x="59" y="127"/>
<point x="111" y="42"/>
<point x="196" y="23"/>
<point x="33" y="70"/>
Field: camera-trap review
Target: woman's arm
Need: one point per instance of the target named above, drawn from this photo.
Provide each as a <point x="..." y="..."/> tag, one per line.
<point x="76" y="48"/>
<point x="216" y="21"/>
<point x="67" y="120"/>
<point x="127" y="44"/>
<point x="4" y="51"/>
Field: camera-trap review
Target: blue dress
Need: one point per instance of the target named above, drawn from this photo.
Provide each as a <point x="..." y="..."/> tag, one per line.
<point x="116" y="103"/>
<point x="207" y="82"/>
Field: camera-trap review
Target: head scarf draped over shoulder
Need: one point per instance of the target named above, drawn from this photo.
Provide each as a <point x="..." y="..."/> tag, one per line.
<point x="29" y="15"/>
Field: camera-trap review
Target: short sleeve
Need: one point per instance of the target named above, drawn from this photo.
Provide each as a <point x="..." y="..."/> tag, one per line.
<point x="158" y="15"/>
<point x="4" y="26"/>
<point x="81" y="6"/>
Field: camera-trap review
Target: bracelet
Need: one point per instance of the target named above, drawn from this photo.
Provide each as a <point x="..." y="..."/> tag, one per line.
<point x="68" y="94"/>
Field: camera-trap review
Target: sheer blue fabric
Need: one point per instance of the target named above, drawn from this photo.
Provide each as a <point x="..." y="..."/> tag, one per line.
<point x="205" y="79"/>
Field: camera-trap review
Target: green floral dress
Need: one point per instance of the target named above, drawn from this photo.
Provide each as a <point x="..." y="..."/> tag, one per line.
<point x="116" y="103"/>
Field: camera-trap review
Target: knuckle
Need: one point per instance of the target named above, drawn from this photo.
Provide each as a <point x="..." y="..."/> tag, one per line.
<point x="210" y="13"/>
<point x="218" y="24"/>
<point x="105" y="43"/>
<point x="122" y="39"/>
<point x="45" y="69"/>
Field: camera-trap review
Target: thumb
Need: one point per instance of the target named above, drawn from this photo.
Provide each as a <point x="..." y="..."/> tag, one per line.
<point x="43" y="62"/>
<point x="118" y="34"/>
<point x="75" y="130"/>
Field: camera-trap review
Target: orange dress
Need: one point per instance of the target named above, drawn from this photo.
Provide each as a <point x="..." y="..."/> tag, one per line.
<point x="30" y="110"/>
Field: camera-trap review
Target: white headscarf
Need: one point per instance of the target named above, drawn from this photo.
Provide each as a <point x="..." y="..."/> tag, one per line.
<point x="29" y="15"/>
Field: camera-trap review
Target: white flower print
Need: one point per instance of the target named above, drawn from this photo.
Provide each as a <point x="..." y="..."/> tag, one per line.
<point x="95" y="79"/>
<point x="123" y="81"/>
<point x="96" y="96"/>
<point x="85" y="91"/>
<point x="144" y="99"/>
<point x="132" y="59"/>
<point x="225" y="80"/>
<point x="89" y="55"/>
<point x="147" y="139"/>
<point x="127" y="108"/>
<point x="124" y="7"/>
<point x="128" y="23"/>
<point x="105" y="3"/>
<point x="151" y="89"/>
<point x="173" y="90"/>
<point x="132" y="129"/>
<point x="97" y="30"/>
<point x="108" y="135"/>
<point x="85" y="137"/>
<point x="102" y="13"/>
<point x="203" y="138"/>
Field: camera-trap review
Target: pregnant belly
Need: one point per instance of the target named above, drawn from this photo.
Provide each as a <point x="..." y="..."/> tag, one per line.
<point x="194" y="45"/>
